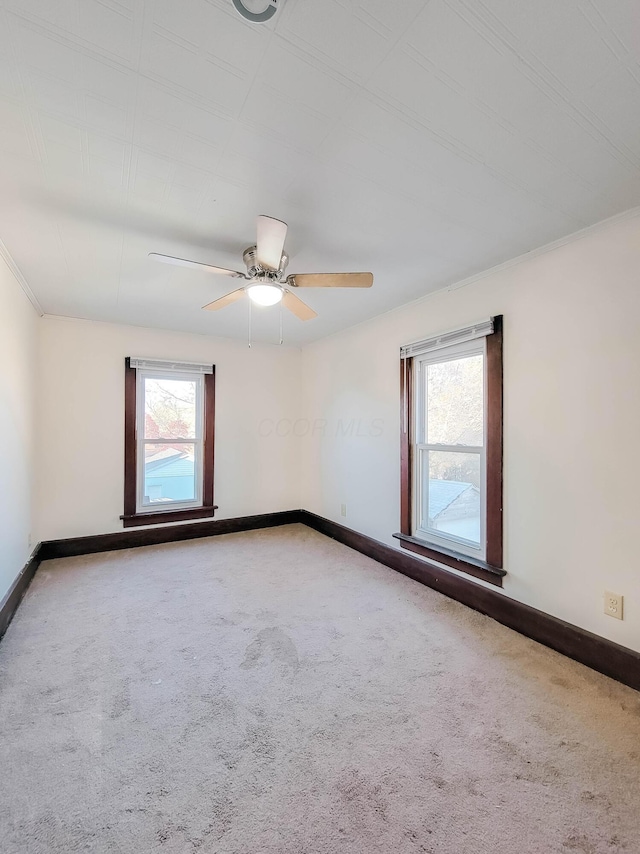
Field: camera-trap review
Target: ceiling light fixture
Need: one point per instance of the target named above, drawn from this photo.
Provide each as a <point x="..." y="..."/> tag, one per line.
<point x="257" y="11"/>
<point x="265" y="294"/>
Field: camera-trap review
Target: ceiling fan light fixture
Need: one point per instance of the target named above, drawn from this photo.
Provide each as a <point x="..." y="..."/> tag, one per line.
<point x="266" y="262"/>
<point x="265" y="294"/>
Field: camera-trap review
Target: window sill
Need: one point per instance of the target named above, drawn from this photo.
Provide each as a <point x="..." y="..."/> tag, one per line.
<point x="450" y="558"/>
<point x="138" y="519"/>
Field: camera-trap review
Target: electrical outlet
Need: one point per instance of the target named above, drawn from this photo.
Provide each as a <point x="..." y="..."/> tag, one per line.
<point x="613" y="603"/>
<point x="343" y="509"/>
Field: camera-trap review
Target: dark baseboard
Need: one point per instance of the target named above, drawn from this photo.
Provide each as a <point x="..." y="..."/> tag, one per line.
<point x="603" y="655"/>
<point x="596" y="652"/>
<point x="9" y="604"/>
<point x="51" y="549"/>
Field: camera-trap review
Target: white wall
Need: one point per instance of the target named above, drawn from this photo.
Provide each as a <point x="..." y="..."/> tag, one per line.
<point x="18" y="347"/>
<point x="572" y="422"/>
<point x="79" y="486"/>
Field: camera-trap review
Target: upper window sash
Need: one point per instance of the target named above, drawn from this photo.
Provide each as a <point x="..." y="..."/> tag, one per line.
<point x="198" y="379"/>
<point x="448" y="354"/>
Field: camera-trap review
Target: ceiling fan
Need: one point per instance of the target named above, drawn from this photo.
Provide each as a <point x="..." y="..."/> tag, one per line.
<point x="266" y="263"/>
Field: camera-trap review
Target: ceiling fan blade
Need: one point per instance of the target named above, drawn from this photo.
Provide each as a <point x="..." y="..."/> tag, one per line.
<point x="224" y="301"/>
<point x="271" y="236"/>
<point x="182" y="262"/>
<point x="297" y="307"/>
<point x="330" y="280"/>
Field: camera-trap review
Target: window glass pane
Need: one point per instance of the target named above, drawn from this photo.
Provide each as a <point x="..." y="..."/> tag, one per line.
<point x="169" y="473"/>
<point x="169" y="409"/>
<point x="453" y="484"/>
<point x="455" y="402"/>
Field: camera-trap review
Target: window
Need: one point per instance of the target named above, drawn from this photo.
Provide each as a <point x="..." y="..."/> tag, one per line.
<point x="169" y="436"/>
<point x="451" y="491"/>
<point x="449" y="454"/>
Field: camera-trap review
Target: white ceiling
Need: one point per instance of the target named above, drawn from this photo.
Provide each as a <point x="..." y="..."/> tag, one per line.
<point x="424" y="140"/>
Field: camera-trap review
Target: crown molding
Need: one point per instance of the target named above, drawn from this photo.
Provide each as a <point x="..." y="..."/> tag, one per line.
<point x="451" y="286"/>
<point x="20" y="279"/>
<point x="587" y="231"/>
<point x="544" y="249"/>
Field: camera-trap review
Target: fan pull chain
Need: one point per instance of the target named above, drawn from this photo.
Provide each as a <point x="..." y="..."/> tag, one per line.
<point x="249" y="324"/>
<point x="281" y="338"/>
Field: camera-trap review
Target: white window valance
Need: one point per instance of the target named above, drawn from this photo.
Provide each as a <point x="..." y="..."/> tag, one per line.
<point x="163" y="365"/>
<point x="446" y="339"/>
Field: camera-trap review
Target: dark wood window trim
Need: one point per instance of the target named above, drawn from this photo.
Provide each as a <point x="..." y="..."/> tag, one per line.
<point x="492" y="570"/>
<point x="131" y="518"/>
<point x="494" y="444"/>
<point x="448" y="557"/>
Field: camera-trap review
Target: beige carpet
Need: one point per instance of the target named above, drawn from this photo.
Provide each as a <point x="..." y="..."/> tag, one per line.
<point x="275" y="692"/>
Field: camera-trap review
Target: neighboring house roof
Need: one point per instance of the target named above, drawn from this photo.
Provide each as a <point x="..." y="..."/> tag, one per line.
<point x="164" y="454"/>
<point x="442" y="493"/>
<point x="170" y="463"/>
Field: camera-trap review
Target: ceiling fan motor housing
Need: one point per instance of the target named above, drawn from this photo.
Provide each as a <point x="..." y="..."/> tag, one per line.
<point x="255" y="270"/>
